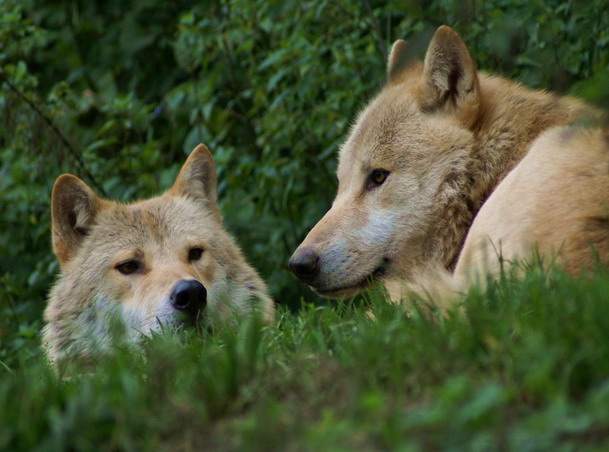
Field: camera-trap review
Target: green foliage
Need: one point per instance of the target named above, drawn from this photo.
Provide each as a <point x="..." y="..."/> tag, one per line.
<point x="524" y="367"/>
<point x="118" y="92"/>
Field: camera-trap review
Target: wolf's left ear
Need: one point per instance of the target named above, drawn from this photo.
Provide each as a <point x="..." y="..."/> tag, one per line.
<point x="197" y="178"/>
<point x="399" y="59"/>
<point x="73" y="209"/>
<point x="450" y="81"/>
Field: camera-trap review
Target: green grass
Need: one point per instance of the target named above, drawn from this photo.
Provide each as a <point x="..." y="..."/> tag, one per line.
<point x="526" y="367"/>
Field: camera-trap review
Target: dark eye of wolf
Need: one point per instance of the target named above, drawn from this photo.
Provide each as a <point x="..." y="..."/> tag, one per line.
<point x="128" y="268"/>
<point x="376" y="178"/>
<point x="194" y="254"/>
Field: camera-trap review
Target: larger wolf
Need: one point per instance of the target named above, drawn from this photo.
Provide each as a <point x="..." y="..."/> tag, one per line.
<point x="420" y="161"/>
<point x="165" y="261"/>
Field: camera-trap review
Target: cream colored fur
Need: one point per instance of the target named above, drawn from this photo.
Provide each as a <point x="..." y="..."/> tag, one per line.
<point x="555" y="203"/>
<point x="553" y="206"/>
<point x="91" y="236"/>
<point x="447" y="135"/>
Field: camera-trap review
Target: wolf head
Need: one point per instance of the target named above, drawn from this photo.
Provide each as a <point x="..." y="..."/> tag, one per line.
<point x="166" y="261"/>
<point x="398" y="173"/>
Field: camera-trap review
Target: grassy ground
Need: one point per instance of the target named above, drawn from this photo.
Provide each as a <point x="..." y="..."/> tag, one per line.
<point x="525" y="368"/>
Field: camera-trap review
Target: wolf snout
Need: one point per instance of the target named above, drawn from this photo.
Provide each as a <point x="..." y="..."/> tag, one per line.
<point x="304" y="264"/>
<point x="189" y="296"/>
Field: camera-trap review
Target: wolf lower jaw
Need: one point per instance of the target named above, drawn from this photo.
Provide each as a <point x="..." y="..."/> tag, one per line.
<point x="377" y="275"/>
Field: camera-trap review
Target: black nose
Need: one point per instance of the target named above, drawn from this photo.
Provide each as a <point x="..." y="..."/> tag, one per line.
<point x="305" y="264"/>
<point x="189" y="295"/>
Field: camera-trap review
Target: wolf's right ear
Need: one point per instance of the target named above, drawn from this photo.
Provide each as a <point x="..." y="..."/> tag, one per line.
<point x="73" y="208"/>
<point x="197" y="178"/>
<point x="450" y="80"/>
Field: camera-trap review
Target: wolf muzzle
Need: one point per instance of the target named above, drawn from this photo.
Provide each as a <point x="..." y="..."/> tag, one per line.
<point x="305" y="265"/>
<point x="189" y="296"/>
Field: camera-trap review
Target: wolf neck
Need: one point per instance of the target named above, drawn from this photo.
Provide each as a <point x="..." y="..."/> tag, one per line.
<point x="511" y="117"/>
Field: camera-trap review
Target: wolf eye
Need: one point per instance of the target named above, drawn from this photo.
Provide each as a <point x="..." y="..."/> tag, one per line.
<point x="376" y="178"/>
<point x="195" y="253"/>
<point x="128" y="267"/>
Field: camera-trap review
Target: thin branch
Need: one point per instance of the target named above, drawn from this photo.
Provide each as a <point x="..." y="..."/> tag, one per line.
<point x="58" y="132"/>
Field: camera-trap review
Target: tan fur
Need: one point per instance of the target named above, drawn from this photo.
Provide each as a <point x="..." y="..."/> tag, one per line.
<point x="555" y="203"/>
<point x="92" y="236"/>
<point x="448" y="135"/>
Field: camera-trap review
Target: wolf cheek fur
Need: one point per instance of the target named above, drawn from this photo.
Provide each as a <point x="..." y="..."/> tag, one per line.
<point x="162" y="261"/>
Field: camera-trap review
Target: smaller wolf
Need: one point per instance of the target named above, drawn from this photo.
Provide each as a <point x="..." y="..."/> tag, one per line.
<point x="165" y="261"/>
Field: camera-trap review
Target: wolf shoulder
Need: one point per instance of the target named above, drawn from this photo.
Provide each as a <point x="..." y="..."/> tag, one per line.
<point x="555" y="202"/>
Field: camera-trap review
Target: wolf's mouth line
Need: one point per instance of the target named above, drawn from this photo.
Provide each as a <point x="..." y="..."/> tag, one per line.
<point x="378" y="273"/>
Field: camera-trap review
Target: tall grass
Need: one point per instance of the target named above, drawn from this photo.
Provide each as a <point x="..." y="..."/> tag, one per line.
<point x="525" y="366"/>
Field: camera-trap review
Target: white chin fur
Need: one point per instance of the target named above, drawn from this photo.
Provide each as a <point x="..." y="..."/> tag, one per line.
<point x="338" y="266"/>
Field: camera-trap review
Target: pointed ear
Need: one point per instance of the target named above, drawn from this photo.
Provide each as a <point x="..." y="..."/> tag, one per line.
<point x="197" y="178"/>
<point x="73" y="209"/>
<point x="399" y="59"/>
<point x="450" y="81"/>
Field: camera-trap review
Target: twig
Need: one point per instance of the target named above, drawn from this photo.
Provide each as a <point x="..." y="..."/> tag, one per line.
<point x="57" y="131"/>
<point x="8" y="369"/>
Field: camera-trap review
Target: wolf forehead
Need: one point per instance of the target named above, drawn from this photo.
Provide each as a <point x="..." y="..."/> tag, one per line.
<point x="393" y="130"/>
<point x="158" y="221"/>
<point x="381" y="123"/>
